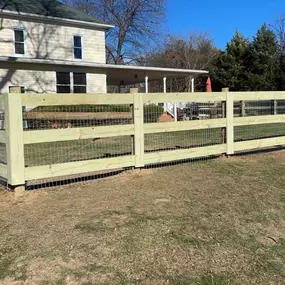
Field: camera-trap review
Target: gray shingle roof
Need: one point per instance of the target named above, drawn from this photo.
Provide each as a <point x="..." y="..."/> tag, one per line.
<point x="51" y="8"/>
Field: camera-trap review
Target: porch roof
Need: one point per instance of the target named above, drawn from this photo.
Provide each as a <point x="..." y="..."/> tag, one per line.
<point x="116" y="74"/>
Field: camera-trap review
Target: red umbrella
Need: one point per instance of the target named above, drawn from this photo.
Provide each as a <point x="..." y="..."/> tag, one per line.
<point x="209" y="85"/>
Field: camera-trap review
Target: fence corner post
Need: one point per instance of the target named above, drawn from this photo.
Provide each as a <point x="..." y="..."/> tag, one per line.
<point x="230" y="122"/>
<point x="139" y="127"/>
<point x="15" y="141"/>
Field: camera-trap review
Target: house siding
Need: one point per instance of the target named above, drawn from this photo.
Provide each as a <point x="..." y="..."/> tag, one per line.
<point x="49" y="41"/>
<point x="42" y="79"/>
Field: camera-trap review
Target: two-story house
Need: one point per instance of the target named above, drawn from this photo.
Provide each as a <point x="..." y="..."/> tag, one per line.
<point x="49" y="47"/>
<point x="49" y="30"/>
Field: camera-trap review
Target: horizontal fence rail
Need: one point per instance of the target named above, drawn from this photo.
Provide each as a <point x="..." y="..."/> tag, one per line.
<point x="64" y="125"/>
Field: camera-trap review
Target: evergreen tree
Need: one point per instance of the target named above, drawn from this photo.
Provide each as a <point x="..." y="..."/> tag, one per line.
<point x="231" y="69"/>
<point x="262" y="61"/>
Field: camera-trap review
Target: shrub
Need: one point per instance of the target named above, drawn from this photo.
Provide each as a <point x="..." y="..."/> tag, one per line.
<point x="152" y="113"/>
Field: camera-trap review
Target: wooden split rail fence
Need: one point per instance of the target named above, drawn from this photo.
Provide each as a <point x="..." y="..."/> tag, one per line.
<point x="15" y="137"/>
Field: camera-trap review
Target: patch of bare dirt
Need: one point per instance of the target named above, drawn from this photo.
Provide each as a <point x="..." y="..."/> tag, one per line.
<point x="136" y="173"/>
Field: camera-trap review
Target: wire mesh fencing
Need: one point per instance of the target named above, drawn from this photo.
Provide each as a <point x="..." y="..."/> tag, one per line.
<point x="193" y="136"/>
<point x="71" y="142"/>
<point x="65" y="151"/>
<point x="259" y="110"/>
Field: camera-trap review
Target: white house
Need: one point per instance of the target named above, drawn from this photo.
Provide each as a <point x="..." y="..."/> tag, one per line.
<point x="48" y="47"/>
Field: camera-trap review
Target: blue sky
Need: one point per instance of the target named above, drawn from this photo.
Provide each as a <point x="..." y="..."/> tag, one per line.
<point x="220" y="17"/>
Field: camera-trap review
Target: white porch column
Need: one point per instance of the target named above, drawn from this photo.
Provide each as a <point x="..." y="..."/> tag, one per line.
<point x="146" y="84"/>
<point x="164" y="84"/>
<point x="164" y="91"/>
<point x="174" y="104"/>
<point x="175" y="111"/>
<point x="192" y="85"/>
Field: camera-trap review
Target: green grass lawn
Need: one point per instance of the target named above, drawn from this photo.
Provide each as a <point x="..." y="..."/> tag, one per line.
<point x="61" y="152"/>
<point x="216" y="222"/>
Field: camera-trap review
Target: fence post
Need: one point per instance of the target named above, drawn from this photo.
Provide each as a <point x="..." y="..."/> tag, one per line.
<point x="242" y="105"/>
<point x="224" y="137"/>
<point x="15" y="141"/>
<point x="139" y="127"/>
<point x="230" y="122"/>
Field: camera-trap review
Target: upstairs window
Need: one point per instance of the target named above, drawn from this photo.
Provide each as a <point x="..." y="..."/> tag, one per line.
<point x="77" y="47"/>
<point x="19" y="41"/>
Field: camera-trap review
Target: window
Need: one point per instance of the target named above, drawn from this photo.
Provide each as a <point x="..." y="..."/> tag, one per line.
<point x="62" y="82"/>
<point x="79" y="82"/>
<point x="77" y="43"/>
<point x="16" y="89"/>
<point x="71" y="82"/>
<point x="19" y="41"/>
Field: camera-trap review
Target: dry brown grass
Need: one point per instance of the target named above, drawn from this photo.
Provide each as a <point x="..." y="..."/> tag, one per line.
<point x="213" y="222"/>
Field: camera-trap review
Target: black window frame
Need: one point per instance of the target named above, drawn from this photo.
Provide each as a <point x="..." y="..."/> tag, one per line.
<point x="19" y="43"/>
<point x="79" y="86"/>
<point x="77" y="47"/>
<point x="61" y="86"/>
<point x="71" y="82"/>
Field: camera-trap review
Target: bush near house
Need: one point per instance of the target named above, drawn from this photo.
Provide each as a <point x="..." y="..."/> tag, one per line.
<point x="152" y="113"/>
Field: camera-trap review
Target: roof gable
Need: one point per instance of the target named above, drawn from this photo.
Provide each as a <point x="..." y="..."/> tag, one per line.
<point x="51" y="8"/>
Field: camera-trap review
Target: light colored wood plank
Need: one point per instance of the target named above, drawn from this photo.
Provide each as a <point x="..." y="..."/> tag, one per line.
<point x="184" y="126"/>
<point x="75" y="99"/>
<point x="259" y="144"/>
<point x="3" y="170"/>
<point x="72" y="168"/>
<point x="224" y="105"/>
<point x="43" y="136"/>
<point x="174" y="155"/>
<point x="230" y="125"/>
<point x="259" y="120"/>
<point x="184" y="97"/>
<point x="243" y="114"/>
<point x="3" y="138"/>
<point x="259" y="95"/>
<point x="15" y="140"/>
<point x="139" y="128"/>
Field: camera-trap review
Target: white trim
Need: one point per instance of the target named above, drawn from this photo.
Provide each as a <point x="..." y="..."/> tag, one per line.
<point x="192" y="85"/>
<point x="164" y="84"/>
<point x="146" y="84"/>
<point x="71" y="77"/>
<point x="54" y="19"/>
<point x="102" y="65"/>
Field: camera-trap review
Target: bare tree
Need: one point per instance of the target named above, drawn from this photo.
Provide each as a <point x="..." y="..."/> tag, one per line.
<point x="137" y="25"/>
<point x="196" y="52"/>
<point x="278" y="28"/>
